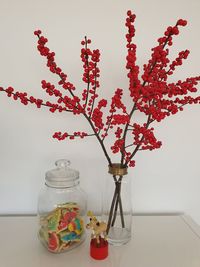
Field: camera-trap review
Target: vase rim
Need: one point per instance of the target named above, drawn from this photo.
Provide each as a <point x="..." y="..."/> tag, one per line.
<point x="117" y="169"/>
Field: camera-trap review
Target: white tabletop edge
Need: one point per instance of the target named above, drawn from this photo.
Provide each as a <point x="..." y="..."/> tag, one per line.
<point x="194" y="227"/>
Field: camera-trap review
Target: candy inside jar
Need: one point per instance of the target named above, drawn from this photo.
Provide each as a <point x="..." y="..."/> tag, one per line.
<point x="61" y="210"/>
<point x="62" y="228"/>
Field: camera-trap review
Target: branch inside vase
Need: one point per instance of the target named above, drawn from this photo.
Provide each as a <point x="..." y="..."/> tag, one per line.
<point x="116" y="205"/>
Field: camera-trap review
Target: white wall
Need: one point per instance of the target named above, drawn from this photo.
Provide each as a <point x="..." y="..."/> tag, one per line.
<point x="166" y="180"/>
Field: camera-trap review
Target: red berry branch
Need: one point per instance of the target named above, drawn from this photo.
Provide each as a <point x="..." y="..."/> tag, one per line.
<point x="152" y="95"/>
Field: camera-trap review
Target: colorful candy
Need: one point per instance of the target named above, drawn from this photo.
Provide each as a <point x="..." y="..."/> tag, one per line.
<point x="62" y="228"/>
<point x="53" y="244"/>
<point x="53" y="220"/>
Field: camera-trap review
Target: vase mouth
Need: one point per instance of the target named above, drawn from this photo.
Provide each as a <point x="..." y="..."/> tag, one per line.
<point x="117" y="169"/>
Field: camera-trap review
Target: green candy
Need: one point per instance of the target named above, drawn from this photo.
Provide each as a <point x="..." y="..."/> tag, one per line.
<point x="53" y="220"/>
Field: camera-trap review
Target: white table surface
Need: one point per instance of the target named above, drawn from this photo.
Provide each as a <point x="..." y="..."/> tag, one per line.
<point x="158" y="241"/>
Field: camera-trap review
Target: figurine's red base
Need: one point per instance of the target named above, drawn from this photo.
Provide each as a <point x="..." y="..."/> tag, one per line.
<point x="99" y="251"/>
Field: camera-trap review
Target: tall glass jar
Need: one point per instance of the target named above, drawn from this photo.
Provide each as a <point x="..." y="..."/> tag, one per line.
<point x="117" y="208"/>
<point x="62" y="209"/>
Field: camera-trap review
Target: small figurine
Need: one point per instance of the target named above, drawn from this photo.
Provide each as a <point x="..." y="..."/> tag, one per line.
<point x="98" y="244"/>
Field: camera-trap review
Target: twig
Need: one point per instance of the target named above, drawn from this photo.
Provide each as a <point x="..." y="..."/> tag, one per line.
<point x="112" y="207"/>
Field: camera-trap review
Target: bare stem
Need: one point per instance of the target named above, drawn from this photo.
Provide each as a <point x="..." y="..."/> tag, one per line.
<point x="108" y="127"/>
<point x="116" y="205"/>
<point x="116" y="201"/>
<point x="121" y="212"/>
<point x="99" y="139"/>
<point x="112" y="206"/>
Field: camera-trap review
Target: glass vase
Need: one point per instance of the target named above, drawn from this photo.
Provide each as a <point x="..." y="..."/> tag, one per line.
<point x="117" y="208"/>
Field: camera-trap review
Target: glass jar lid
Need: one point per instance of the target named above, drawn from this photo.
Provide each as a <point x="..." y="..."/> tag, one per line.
<point x="62" y="176"/>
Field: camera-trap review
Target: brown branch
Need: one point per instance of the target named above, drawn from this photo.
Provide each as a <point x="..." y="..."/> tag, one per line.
<point x="108" y="127"/>
<point x="112" y="206"/>
<point x="99" y="139"/>
<point x="129" y="145"/>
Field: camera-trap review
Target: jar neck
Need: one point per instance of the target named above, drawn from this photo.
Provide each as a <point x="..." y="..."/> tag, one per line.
<point x="62" y="184"/>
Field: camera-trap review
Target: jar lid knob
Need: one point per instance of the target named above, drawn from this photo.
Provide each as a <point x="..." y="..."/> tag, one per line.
<point x="62" y="163"/>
